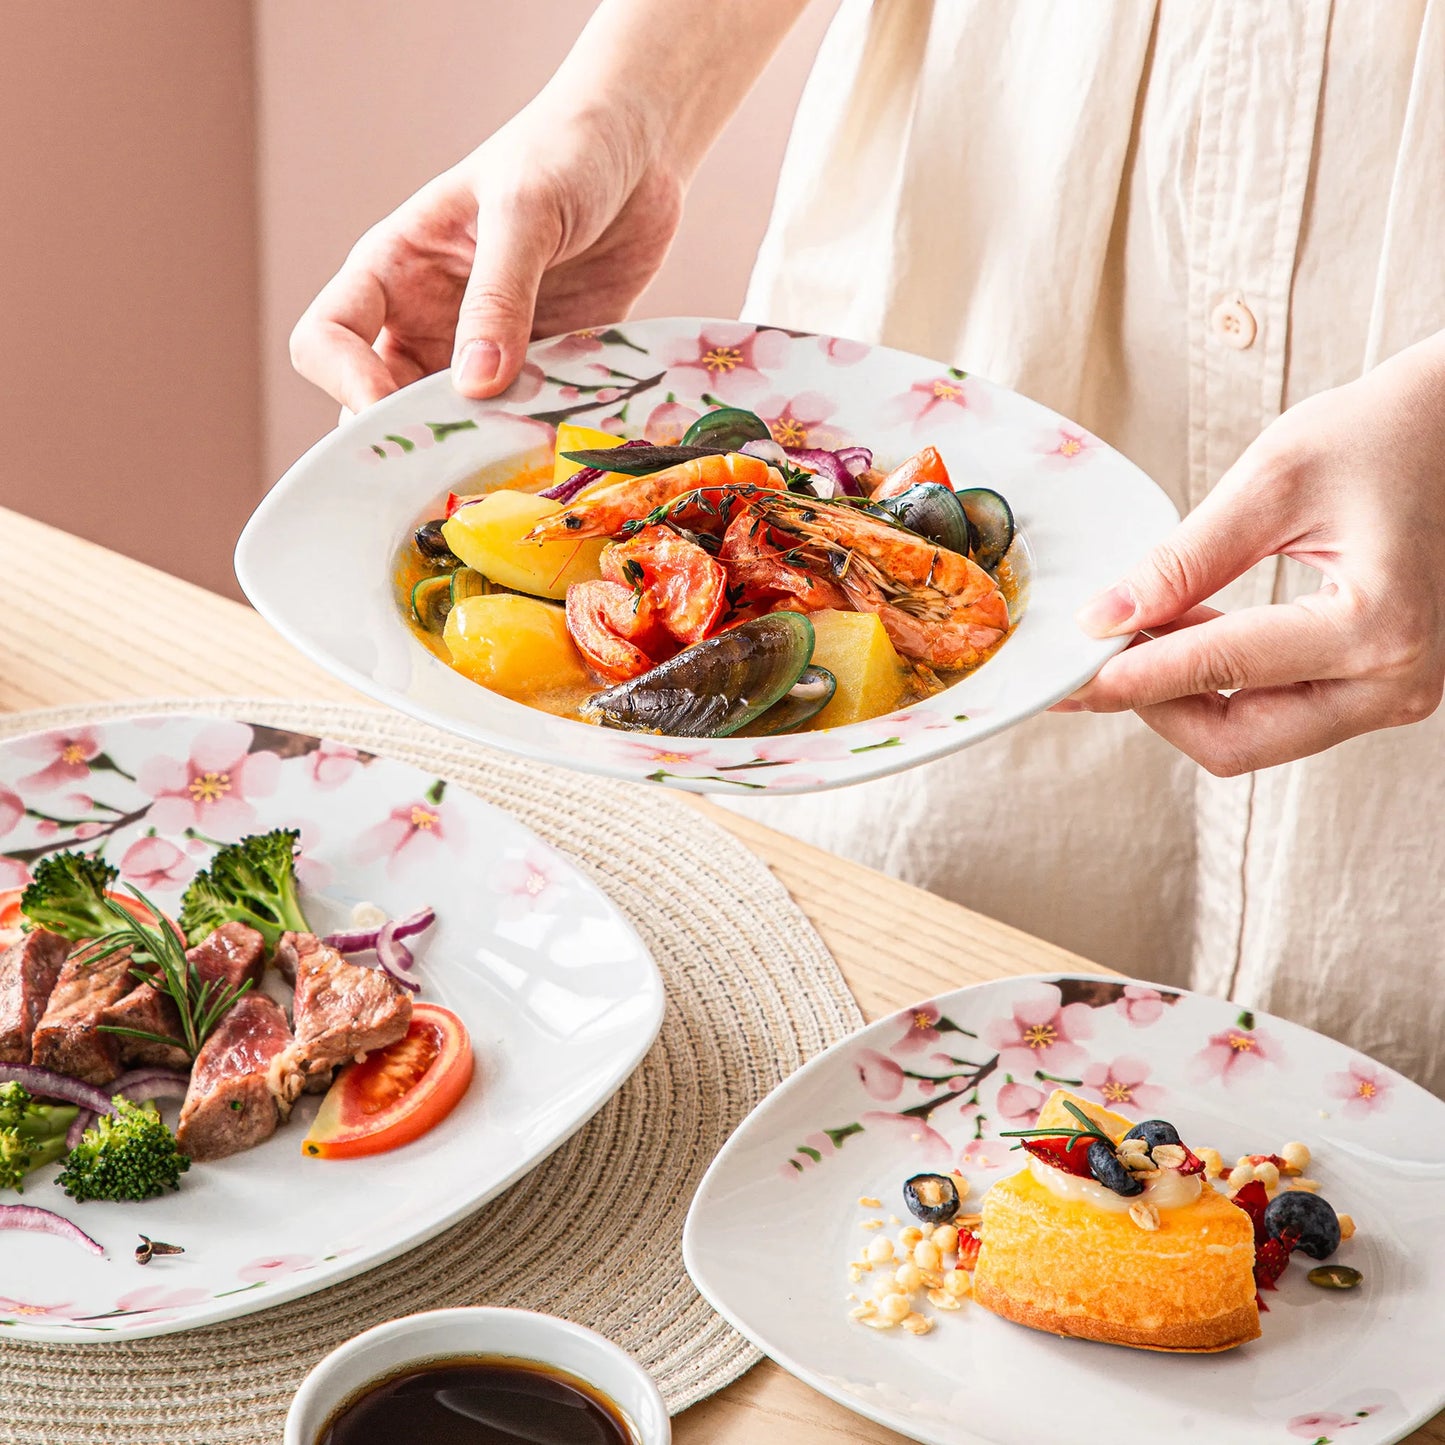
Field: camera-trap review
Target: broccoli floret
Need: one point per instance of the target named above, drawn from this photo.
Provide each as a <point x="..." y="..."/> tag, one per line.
<point x="67" y="896"/>
<point x="251" y="882"/>
<point x="31" y="1134"/>
<point x="129" y="1154"/>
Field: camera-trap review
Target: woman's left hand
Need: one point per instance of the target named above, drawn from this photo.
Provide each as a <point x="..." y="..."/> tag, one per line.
<point x="1351" y="482"/>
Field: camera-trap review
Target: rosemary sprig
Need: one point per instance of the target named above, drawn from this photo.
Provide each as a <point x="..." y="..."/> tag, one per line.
<point x="201" y="1003"/>
<point x="1090" y="1130"/>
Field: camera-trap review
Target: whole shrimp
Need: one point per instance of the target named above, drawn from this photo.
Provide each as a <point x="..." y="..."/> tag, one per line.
<point x="604" y="511"/>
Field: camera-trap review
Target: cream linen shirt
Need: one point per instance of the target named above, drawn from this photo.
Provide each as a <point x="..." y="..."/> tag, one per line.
<point x="1169" y="221"/>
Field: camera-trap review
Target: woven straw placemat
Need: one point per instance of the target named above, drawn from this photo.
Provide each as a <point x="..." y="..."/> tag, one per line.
<point x="751" y="995"/>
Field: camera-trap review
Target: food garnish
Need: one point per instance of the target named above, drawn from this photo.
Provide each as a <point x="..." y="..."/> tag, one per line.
<point x="127" y="1155"/>
<point x="251" y="882"/>
<point x="1334" y="1276"/>
<point x="69" y="894"/>
<point x="395" y="1094"/>
<point x="933" y="1198"/>
<point x="46" y="1221"/>
<point x="31" y="1134"/>
<point x="149" y="1249"/>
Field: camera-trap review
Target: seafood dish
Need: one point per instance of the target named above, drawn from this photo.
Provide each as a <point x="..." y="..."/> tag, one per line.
<point x="233" y="1010"/>
<point x="1114" y="1231"/>
<point x="725" y="585"/>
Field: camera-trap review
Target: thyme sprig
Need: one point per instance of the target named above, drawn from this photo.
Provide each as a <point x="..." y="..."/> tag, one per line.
<point x="1090" y="1130"/>
<point x="158" y="957"/>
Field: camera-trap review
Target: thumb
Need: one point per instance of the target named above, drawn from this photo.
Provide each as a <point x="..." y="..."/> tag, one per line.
<point x="1235" y="526"/>
<point x="515" y="244"/>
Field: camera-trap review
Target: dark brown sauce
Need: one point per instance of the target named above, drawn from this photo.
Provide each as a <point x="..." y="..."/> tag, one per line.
<point x="478" y="1400"/>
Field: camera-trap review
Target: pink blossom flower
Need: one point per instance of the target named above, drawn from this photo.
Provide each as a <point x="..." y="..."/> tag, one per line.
<point x="66" y="756"/>
<point x="1040" y="1033"/>
<point x="569" y="394"/>
<point x="67" y="1311"/>
<point x="1234" y="1053"/>
<point x="527" y="385"/>
<point x="1362" y="1086"/>
<point x="1019" y="1103"/>
<point x="1067" y="446"/>
<point x="272" y="1266"/>
<point x="667" y="757"/>
<point x="13" y="873"/>
<point x="12" y="810"/>
<point x="211" y="790"/>
<point x="411" y="834"/>
<point x="311" y="872"/>
<point x="933" y="1147"/>
<point x="842" y="352"/>
<point x="919" y="1031"/>
<point x="47" y="827"/>
<point x="983" y="1154"/>
<point x="572" y="347"/>
<point x="158" y="1297"/>
<point x="824" y="747"/>
<point x="924" y="401"/>
<point x="332" y="764"/>
<point x="797" y="421"/>
<point x="1321" y="1422"/>
<point x="1122" y="1082"/>
<point x="879" y="1075"/>
<point x="421" y="437"/>
<point x="156" y="863"/>
<point x="728" y="360"/>
<point x="783" y="781"/>
<point x="666" y="424"/>
<point x="1141" y="1006"/>
<point x="84" y="832"/>
<point x="523" y="882"/>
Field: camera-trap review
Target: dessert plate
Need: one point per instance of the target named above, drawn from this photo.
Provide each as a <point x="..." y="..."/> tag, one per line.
<point x="1085" y="514"/>
<point x="559" y="996"/>
<point x="777" y="1219"/>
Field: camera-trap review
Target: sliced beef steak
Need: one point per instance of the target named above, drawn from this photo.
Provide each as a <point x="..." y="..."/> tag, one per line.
<point x="29" y="969"/>
<point x="67" y="1038"/>
<point x="231" y="955"/>
<point x="340" y="1012"/>
<point x="229" y="1105"/>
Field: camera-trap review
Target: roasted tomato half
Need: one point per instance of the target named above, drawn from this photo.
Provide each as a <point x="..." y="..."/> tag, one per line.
<point x="397" y="1093"/>
<point x="686" y="586"/>
<point x="922" y="466"/>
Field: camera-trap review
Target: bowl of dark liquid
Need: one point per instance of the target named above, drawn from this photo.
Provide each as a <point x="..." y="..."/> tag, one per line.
<point x="478" y="1377"/>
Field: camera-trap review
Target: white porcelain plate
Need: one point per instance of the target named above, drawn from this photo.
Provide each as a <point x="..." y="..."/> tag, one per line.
<point x="318" y="557"/>
<point x="557" y="992"/>
<point x="777" y="1219"/>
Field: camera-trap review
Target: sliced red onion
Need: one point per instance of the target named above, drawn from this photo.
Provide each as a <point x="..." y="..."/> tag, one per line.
<point x="766" y="448"/>
<point x="359" y="940"/>
<point x="827" y="464"/>
<point x="394" y="957"/>
<point x="82" y="1121"/>
<point x="45" y="1221"/>
<point x="856" y="459"/>
<point x="565" y="490"/>
<point x="141" y="1084"/>
<point x="47" y="1084"/>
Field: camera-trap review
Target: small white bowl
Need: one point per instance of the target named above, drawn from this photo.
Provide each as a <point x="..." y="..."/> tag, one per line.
<point x="442" y="1334"/>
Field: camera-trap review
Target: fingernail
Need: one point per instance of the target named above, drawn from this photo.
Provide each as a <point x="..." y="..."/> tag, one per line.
<point x="1106" y="613"/>
<point x="476" y="364"/>
<point x="1068" y="705"/>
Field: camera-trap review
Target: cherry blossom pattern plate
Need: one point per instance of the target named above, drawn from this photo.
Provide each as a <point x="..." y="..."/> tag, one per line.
<point x="777" y="1218"/>
<point x="1085" y="514"/>
<point x="558" y="993"/>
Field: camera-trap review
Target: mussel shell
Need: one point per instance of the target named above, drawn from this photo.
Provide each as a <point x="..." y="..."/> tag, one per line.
<point x="991" y="521"/>
<point x="432" y="544"/>
<point x="431" y="600"/>
<point x="467" y="583"/>
<point x="932" y="511"/>
<point x="714" y="687"/>
<point x="726" y="426"/>
<point x="807" y="697"/>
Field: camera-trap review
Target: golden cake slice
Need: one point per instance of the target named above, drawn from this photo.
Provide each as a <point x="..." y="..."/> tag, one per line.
<point x="1170" y="1268"/>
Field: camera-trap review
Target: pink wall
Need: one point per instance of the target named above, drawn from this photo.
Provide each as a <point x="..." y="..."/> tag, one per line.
<point x="129" y="410"/>
<point x="178" y="179"/>
<point x="361" y="103"/>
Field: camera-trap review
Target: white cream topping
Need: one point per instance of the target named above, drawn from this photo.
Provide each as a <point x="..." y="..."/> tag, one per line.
<point x="1172" y="1190"/>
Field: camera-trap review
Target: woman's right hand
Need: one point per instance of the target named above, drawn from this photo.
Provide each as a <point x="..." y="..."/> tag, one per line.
<point x="556" y="222"/>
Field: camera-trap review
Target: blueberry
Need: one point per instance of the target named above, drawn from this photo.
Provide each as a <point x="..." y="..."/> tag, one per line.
<point x="1307" y="1215"/>
<point x="1155" y="1131"/>
<point x="1104" y="1165"/>
<point x="933" y="1198"/>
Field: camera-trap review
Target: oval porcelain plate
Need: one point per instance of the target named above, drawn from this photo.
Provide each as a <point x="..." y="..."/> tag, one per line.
<point x="318" y="557"/>
<point x="559" y="996"/>
<point x="777" y="1219"/>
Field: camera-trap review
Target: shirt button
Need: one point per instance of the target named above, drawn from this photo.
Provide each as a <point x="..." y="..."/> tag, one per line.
<point x="1234" y="324"/>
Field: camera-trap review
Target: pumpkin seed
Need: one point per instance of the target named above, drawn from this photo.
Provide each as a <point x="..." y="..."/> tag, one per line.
<point x="1334" y="1276"/>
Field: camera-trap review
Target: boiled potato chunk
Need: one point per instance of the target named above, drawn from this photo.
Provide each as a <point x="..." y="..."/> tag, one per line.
<point x="517" y="646"/>
<point x="487" y="536"/>
<point x="871" y="678"/>
<point x="574" y="438"/>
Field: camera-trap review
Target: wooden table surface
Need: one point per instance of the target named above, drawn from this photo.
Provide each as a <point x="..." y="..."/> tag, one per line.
<point x="82" y="624"/>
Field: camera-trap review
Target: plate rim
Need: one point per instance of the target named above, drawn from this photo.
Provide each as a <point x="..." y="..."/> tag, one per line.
<point x="364" y="1258"/>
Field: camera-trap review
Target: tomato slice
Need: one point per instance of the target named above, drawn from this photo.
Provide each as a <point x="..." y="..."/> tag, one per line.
<point x="397" y="1093"/>
<point x="12" y="920"/>
<point x="924" y="466"/>
<point x="688" y="588"/>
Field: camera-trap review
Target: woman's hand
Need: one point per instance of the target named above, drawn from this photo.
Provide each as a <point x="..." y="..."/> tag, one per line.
<point x="1351" y="482"/>
<point x="556" y="222"/>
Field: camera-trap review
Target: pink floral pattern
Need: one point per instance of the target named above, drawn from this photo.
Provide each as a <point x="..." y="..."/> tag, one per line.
<point x="273" y="1266"/>
<point x="154" y="863"/>
<point x="1019" y="1104"/>
<point x="1122" y="1085"/>
<point x="1041" y="1034"/>
<point x="66" y="757"/>
<point x="951" y="393"/>
<point x="212" y="790"/>
<point x="1236" y="1053"/>
<point x="920" y="1028"/>
<point x="410" y="835"/>
<point x="842" y="352"/>
<point x="1364" y="1087"/>
<point x="1068" y="446"/>
<point x="798" y="421"/>
<point x="12" y="810"/>
<point x="1141" y="1006"/>
<point x="667" y="424"/>
<point x="728" y="360"/>
<point x="879" y="1075"/>
<point x="28" y="1309"/>
<point x="332" y="764"/>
